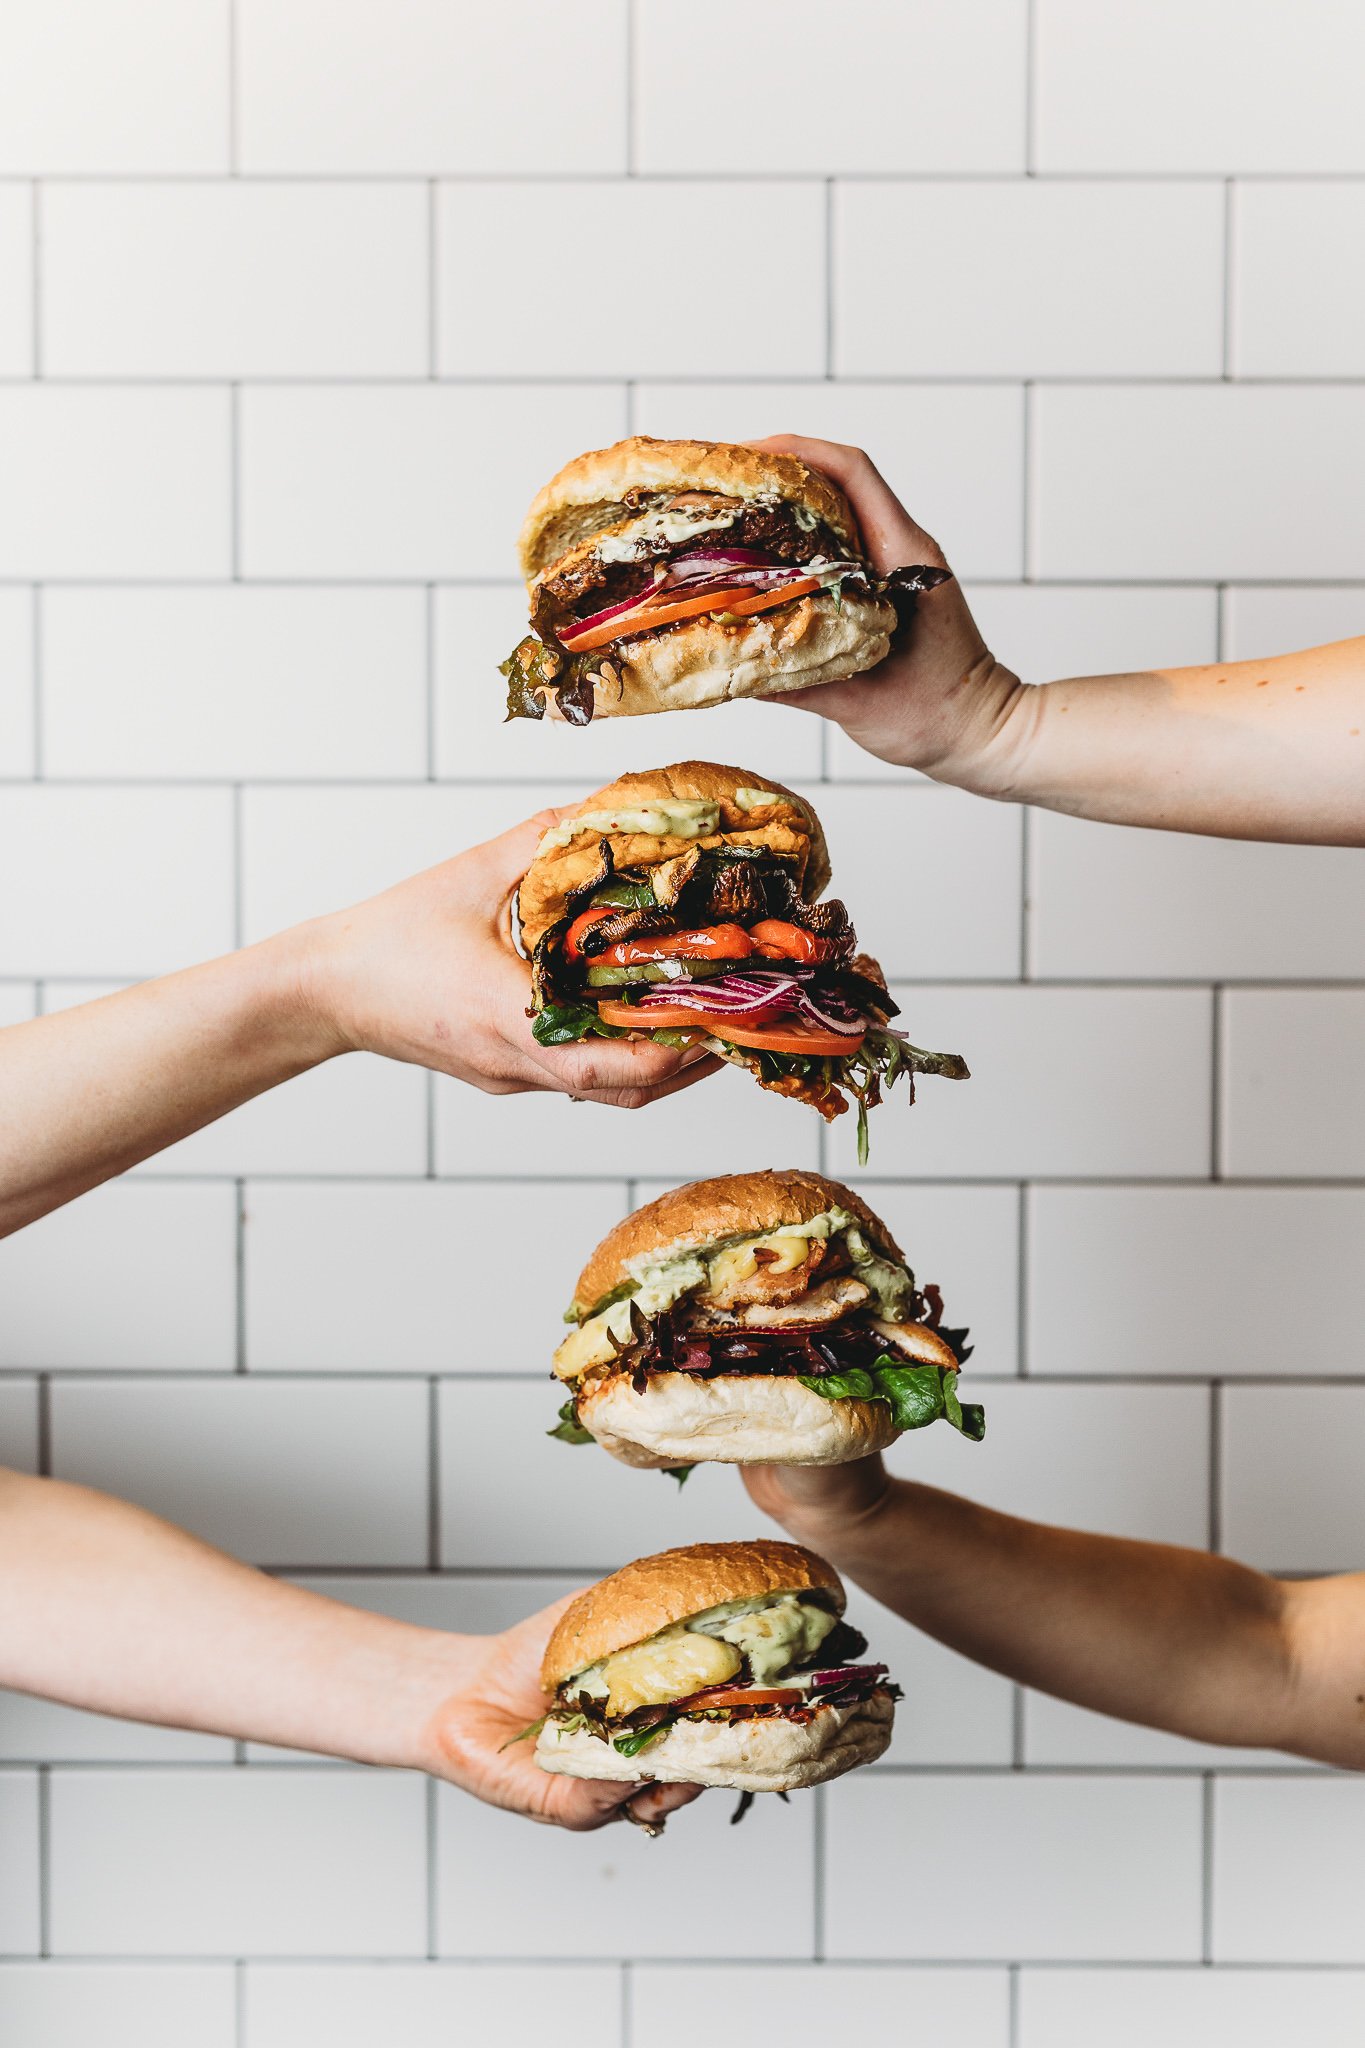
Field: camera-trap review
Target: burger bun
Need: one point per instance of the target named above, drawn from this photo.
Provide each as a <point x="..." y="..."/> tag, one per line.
<point x="772" y="1754"/>
<point x="733" y="1419"/>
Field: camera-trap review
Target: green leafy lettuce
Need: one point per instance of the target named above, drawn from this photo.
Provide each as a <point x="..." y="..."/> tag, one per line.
<point x="569" y="1429"/>
<point x="916" y="1394"/>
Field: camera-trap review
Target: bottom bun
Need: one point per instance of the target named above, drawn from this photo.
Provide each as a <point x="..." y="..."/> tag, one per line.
<point x="735" y="1419"/>
<point x="705" y="661"/>
<point x="775" y="1755"/>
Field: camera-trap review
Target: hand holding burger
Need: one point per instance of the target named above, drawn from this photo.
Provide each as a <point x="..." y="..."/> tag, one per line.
<point x="668" y="575"/>
<point x="760" y="1318"/>
<point x="723" y="1664"/>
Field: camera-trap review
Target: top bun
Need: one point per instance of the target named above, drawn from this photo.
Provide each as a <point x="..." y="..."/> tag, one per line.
<point x="788" y="825"/>
<point x="654" y="1593"/>
<point x="705" y="1212"/>
<point x="587" y="495"/>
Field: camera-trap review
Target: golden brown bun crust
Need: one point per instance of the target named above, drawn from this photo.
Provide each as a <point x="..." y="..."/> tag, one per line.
<point x="587" y="494"/>
<point x="655" y="1592"/>
<point x="732" y="1205"/>
<point x="788" y="825"/>
<point x="686" y="667"/>
<point x="734" y="1419"/>
<point x="776" y="1755"/>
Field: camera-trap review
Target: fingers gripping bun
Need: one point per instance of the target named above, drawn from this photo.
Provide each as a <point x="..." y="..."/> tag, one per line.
<point x="587" y="495"/>
<point x="706" y="1212"/>
<point x="735" y="1419"/>
<point x="817" y="639"/>
<point x="787" y="826"/>
<point x="656" y="1592"/>
<point x="775" y="1755"/>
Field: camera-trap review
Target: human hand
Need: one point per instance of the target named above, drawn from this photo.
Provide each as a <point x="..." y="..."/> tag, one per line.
<point x="940" y="700"/>
<point x="470" y="1742"/>
<point x="427" y="973"/>
<point x="821" y="1505"/>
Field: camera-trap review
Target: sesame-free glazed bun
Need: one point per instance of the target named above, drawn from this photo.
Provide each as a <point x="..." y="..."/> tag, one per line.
<point x="734" y="1419"/>
<point x="587" y="495"/>
<point x="654" y="1593"/>
<point x="786" y="826"/>
<point x="774" y="1755"/>
<point x="706" y="1212"/>
<point x="687" y="667"/>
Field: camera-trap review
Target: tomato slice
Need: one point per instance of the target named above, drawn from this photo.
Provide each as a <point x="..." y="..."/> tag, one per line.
<point x="763" y="599"/>
<point x="791" y="1035"/>
<point x="648" y="616"/>
<point x="711" y="942"/>
<point x="775" y="939"/>
<point x="745" y="1696"/>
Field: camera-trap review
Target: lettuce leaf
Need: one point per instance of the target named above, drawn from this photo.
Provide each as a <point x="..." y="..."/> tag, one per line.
<point x="916" y="1394"/>
<point x="569" y="1429"/>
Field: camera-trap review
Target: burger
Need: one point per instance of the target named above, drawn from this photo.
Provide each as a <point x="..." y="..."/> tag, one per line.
<point x="667" y="575"/>
<point x="682" y="903"/>
<point x="722" y="1664"/>
<point x="760" y="1318"/>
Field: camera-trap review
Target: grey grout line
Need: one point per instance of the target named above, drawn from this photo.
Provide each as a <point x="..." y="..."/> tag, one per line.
<point x="1216" y="1013"/>
<point x="1220" y="599"/>
<point x="1031" y="89"/>
<point x="239" y="1276"/>
<point x="1229" y="274"/>
<point x="235" y="481"/>
<point x="626" y="1996"/>
<point x="36" y="275"/>
<point x="819" y="1874"/>
<point x="431" y="1822"/>
<point x="708" y="177"/>
<point x="629" y="54"/>
<point x="979" y="1964"/>
<point x="829" y="231"/>
<point x="434" y="1474"/>
<point x="44" y="1425"/>
<point x="239" y="2002"/>
<point x="1012" y="2021"/>
<point x="44" y="1860"/>
<point x="429" y="619"/>
<point x="1018" y="1729"/>
<point x="233" y="93"/>
<point x="702" y="380"/>
<point x="433" y="278"/>
<point x="1206" y="1873"/>
<point x="36" y="630"/>
<point x="1215" y="1472"/>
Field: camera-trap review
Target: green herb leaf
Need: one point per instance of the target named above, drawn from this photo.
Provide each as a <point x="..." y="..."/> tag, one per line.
<point x="525" y="1734"/>
<point x="682" y="1473"/>
<point x="640" y="1738"/>
<point x="570" y="1430"/>
<point x="916" y="1394"/>
<point x="569" y="1023"/>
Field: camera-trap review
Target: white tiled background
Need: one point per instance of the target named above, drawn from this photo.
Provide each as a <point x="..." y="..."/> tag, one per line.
<point x="299" y="301"/>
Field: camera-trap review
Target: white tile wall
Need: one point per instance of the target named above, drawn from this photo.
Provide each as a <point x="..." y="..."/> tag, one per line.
<point x="121" y="2005"/>
<point x="131" y="1277"/>
<point x="1171" y="1280"/>
<point x="1068" y="262"/>
<point x="427" y="2005"/>
<point x="233" y="280"/>
<point x="937" y="89"/>
<point x="266" y="440"/>
<point x="489" y="242"/>
<point x="106" y="480"/>
<point x="970" y="2008"/>
<point x="280" y="1471"/>
<point x="16" y="682"/>
<point x="1207" y="86"/>
<point x="1286" y="1872"/>
<point x="983" y="1868"/>
<point x="16" y="280"/>
<point x="20" y="1928"/>
<point x="1256" y="2008"/>
<point x="303" y="1862"/>
<point x="234" y="683"/>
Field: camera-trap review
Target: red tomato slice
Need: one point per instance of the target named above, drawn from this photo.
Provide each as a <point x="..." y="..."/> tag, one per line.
<point x="573" y="937"/>
<point x="792" y="1035"/>
<point x="775" y="939"/>
<point x="648" y="616"/>
<point x="745" y="1696"/>
<point x="763" y="600"/>
<point x="711" y="942"/>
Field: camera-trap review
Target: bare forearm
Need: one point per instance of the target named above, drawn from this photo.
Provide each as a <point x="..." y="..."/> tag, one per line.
<point x="106" y="1607"/>
<point x="88" y="1092"/>
<point x="1246" y="750"/>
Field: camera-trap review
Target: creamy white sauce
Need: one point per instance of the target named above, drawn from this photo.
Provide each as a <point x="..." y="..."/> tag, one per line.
<point x="684" y="817"/>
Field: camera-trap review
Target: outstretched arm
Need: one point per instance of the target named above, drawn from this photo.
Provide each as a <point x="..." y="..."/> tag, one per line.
<point x="425" y="973"/>
<point x="105" y="1607"/>
<point x="1246" y="750"/>
<point x="1174" y="1639"/>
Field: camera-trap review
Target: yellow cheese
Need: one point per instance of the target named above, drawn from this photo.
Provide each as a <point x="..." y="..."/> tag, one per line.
<point x="669" y="1668"/>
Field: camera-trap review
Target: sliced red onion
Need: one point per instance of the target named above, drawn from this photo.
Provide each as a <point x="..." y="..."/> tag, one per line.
<point x="847" y="1673"/>
<point x="848" y="1024"/>
<point x="612" y="611"/>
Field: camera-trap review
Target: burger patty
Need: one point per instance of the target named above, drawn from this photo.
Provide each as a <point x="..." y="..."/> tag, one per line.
<point x="771" y="529"/>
